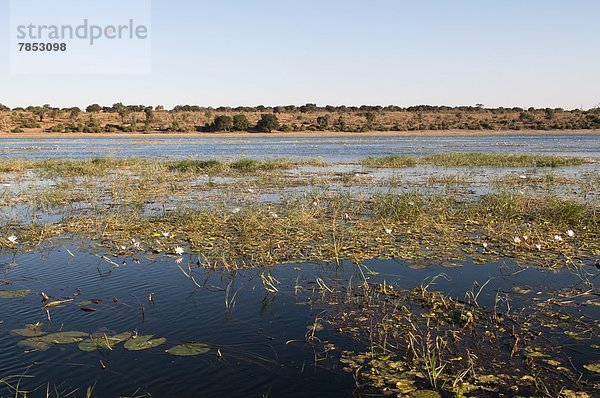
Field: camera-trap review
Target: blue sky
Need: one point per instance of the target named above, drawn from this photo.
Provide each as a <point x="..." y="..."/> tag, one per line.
<point x="498" y="53"/>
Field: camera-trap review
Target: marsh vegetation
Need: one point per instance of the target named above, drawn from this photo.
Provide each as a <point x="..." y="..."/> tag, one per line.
<point x="455" y="210"/>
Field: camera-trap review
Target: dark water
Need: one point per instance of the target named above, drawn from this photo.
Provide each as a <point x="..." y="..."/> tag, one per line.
<point x="349" y="148"/>
<point x="256" y="360"/>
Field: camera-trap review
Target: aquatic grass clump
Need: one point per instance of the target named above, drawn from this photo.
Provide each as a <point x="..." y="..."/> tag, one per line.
<point x="50" y="168"/>
<point x="13" y="165"/>
<point x="412" y="226"/>
<point x="544" y="210"/>
<point x="393" y="161"/>
<point x="195" y="166"/>
<point x="245" y="165"/>
<point x="405" y="207"/>
<point x="253" y="165"/>
<point x="546" y="180"/>
<point x="501" y="160"/>
<point x="474" y="160"/>
<point x="238" y="222"/>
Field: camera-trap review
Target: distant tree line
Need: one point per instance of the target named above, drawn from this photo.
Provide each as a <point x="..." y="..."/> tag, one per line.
<point x="119" y="107"/>
<point x="309" y="117"/>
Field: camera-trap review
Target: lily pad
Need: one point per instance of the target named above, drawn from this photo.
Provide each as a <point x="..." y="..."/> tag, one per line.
<point x="34" y="343"/>
<point x="405" y="386"/>
<point x="521" y="290"/>
<point x="64" y="337"/>
<point x="42" y="343"/>
<point x="143" y="343"/>
<point x="189" y="349"/>
<point x="11" y="294"/>
<point x="425" y="394"/>
<point x="30" y="330"/>
<point x="593" y="367"/>
<point x="103" y="342"/>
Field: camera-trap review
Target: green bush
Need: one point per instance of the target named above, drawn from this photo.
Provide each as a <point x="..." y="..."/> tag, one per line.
<point x="267" y="123"/>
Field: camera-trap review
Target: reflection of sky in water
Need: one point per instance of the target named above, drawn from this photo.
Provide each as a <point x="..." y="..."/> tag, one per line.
<point x="350" y="148"/>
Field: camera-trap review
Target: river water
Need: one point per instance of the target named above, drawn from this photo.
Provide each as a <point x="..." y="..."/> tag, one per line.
<point x="334" y="149"/>
<point x="258" y="341"/>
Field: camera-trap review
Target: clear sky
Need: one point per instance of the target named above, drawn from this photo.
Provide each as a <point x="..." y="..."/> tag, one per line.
<point x="542" y="53"/>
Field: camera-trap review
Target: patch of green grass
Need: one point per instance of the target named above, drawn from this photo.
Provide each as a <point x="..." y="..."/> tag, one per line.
<point x="474" y="159"/>
<point x="501" y="160"/>
<point x="194" y="166"/>
<point x="84" y="167"/>
<point x="253" y="165"/>
<point x="13" y="165"/>
<point x="394" y="161"/>
<point x="548" y="210"/>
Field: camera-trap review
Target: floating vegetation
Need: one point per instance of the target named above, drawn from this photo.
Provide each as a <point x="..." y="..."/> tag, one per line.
<point x="40" y="340"/>
<point x="12" y="294"/>
<point x="139" y="343"/>
<point x="103" y="341"/>
<point x="189" y="349"/>
<point x="44" y="342"/>
<point x="30" y="330"/>
<point x="532" y="228"/>
<point x="593" y="367"/>
<point x="419" y="339"/>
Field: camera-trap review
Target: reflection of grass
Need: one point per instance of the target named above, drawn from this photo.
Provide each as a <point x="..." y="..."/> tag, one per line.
<point x="474" y="159"/>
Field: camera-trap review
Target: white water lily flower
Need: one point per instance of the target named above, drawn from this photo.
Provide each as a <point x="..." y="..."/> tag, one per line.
<point x="571" y="233"/>
<point x="485" y="245"/>
<point x="315" y="203"/>
<point x="123" y="247"/>
<point x="236" y="210"/>
<point x="525" y="237"/>
<point x="179" y="250"/>
<point x="411" y="203"/>
<point x="523" y="177"/>
<point x="12" y="239"/>
<point x="179" y="260"/>
<point x="274" y="215"/>
<point x="136" y="245"/>
<point x="388" y="231"/>
<point x="517" y="239"/>
<point x="165" y="234"/>
<point x="558" y="238"/>
<point x="250" y="190"/>
<point x="538" y="246"/>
